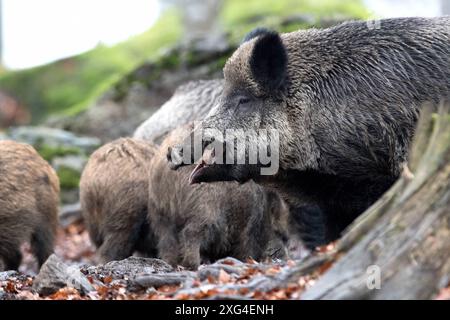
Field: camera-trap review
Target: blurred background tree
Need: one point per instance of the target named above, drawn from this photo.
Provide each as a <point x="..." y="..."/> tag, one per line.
<point x="200" y="22"/>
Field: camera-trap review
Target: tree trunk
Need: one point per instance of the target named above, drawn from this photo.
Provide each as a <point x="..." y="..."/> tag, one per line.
<point x="404" y="238"/>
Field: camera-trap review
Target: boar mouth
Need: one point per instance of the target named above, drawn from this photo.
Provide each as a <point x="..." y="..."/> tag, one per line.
<point x="197" y="172"/>
<point x="201" y="170"/>
<point x="212" y="169"/>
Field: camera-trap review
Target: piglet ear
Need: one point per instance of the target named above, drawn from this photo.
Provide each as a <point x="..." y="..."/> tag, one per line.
<point x="268" y="61"/>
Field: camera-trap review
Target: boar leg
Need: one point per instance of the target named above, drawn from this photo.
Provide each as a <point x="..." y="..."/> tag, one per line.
<point x="191" y="239"/>
<point x="116" y="247"/>
<point x="147" y="244"/>
<point x="12" y="257"/>
<point x="191" y="256"/>
<point x="250" y="248"/>
<point x="42" y="242"/>
<point x="169" y="247"/>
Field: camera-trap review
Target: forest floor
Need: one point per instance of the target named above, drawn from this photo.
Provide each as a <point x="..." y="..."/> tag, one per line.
<point x="228" y="278"/>
<point x="130" y="279"/>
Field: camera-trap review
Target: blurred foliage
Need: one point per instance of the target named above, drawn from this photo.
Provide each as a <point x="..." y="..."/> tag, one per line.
<point x="71" y="84"/>
<point x="68" y="86"/>
<point x="238" y="12"/>
<point x="49" y="152"/>
<point x="239" y="17"/>
<point x="68" y="178"/>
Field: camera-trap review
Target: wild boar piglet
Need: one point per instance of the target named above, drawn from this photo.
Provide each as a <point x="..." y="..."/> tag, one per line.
<point x="113" y="195"/>
<point x="29" y="198"/>
<point x="205" y="222"/>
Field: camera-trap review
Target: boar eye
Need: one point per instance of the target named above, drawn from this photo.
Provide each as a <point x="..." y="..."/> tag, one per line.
<point x="243" y="100"/>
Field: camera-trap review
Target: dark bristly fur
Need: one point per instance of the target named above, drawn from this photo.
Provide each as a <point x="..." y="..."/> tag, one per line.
<point x="269" y="58"/>
<point x="346" y="111"/>
<point x="113" y="194"/>
<point x="205" y="222"/>
<point x="29" y="197"/>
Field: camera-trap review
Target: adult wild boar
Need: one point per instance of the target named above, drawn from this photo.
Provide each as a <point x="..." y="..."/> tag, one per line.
<point x="344" y="101"/>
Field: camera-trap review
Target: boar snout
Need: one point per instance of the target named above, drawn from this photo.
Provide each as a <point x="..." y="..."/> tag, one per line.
<point x="190" y="151"/>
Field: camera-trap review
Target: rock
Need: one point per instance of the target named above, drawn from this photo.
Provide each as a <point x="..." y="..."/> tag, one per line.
<point x="69" y="214"/>
<point x="55" y="274"/>
<point x="229" y="261"/>
<point x="52" y="137"/>
<point x="159" y="280"/>
<point x="151" y="291"/>
<point x="131" y="267"/>
<point x="5" y="275"/>
<point x="297" y="250"/>
<point x="213" y="271"/>
<point x="73" y="162"/>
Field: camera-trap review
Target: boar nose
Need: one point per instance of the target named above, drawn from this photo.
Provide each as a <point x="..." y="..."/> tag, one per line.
<point x="175" y="155"/>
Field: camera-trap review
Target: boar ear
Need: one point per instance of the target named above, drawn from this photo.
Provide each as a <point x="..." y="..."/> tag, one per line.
<point x="268" y="61"/>
<point x="255" y="33"/>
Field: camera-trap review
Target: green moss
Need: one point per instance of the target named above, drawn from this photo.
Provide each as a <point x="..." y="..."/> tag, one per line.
<point x="49" y="153"/>
<point x="91" y="97"/>
<point x="169" y="61"/>
<point x="69" y="178"/>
